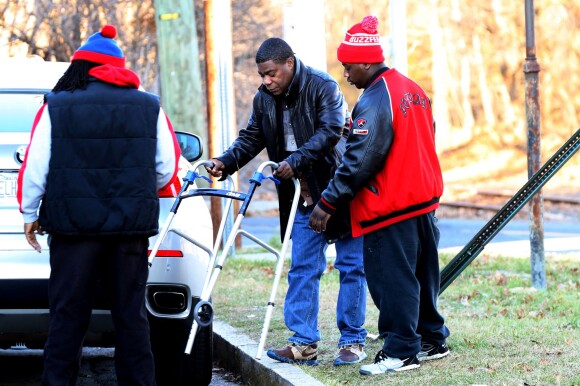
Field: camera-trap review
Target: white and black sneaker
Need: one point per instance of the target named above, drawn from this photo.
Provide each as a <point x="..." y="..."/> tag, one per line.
<point x="430" y="351"/>
<point x="385" y="364"/>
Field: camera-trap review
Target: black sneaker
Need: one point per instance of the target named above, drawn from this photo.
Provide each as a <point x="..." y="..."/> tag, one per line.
<point x="430" y="351"/>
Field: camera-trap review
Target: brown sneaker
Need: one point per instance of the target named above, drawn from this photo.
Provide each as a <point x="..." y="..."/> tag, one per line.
<point x="300" y="354"/>
<point x="349" y="355"/>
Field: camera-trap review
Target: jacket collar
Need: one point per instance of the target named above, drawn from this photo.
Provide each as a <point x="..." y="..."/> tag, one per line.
<point x="376" y="75"/>
<point x="298" y="80"/>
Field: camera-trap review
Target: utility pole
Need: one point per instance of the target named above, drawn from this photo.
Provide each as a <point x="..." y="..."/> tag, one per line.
<point x="220" y="95"/>
<point x="178" y="55"/>
<point x="399" y="36"/>
<point x="303" y="29"/>
<point x="531" y="69"/>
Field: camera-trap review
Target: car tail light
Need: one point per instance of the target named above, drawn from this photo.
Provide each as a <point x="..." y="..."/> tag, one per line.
<point x="171" y="190"/>
<point x="167" y="253"/>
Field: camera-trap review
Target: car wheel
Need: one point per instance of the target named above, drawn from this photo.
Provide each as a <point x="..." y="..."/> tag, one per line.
<point x="172" y="366"/>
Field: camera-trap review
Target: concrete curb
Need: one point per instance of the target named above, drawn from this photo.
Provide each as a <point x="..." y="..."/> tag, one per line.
<point x="236" y="352"/>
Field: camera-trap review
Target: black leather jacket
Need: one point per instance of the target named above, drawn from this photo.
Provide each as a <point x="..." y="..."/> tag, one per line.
<point x="317" y="114"/>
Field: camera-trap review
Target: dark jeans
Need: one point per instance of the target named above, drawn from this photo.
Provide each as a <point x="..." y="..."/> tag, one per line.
<point x="76" y="266"/>
<point x="402" y="268"/>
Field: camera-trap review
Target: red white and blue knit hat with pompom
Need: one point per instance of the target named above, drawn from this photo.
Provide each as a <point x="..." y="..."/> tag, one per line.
<point x="101" y="48"/>
<point x="362" y="43"/>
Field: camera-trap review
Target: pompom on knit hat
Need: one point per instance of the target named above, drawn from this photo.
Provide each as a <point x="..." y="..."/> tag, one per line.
<point x="102" y="48"/>
<point x="362" y="43"/>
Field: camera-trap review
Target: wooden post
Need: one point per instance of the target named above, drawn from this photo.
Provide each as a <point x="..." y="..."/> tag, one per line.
<point x="220" y="95"/>
<point x="213" y="139"/>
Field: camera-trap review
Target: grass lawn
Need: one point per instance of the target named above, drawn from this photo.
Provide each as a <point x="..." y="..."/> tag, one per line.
<point x="502" y="331"/>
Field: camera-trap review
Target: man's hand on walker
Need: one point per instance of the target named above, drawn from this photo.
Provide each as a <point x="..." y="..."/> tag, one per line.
<point x="217" y="168"/>
<point x="318" y="219"/>
<point x="284" y="171"/>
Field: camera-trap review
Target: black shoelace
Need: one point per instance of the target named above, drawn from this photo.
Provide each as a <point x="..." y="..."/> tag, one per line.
<point x="381" y="356"/>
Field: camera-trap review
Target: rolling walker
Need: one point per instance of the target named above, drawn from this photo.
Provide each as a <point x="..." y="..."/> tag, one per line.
<point x="203" y="311"/>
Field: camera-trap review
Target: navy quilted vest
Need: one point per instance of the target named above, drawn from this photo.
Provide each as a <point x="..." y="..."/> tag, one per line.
<point x="101" y="179"/>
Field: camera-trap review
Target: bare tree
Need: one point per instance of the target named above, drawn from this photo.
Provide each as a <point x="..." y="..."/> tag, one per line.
<point x="54" y="29"/>
<point x="468" y="55"/>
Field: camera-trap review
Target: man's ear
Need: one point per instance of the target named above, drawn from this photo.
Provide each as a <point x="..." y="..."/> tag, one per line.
<point x="290" y="62"/>
<point x="367" y="66"/>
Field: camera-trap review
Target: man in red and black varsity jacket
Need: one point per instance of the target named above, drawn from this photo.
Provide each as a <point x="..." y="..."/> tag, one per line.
<point x="390" y="175"/>
<point x="100" y="149"/>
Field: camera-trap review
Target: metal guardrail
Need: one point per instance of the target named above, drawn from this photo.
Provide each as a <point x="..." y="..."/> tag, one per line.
<point x="474" y="247"/>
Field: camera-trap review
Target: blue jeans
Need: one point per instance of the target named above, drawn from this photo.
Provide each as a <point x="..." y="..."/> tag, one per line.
<point x="302" y="299"/>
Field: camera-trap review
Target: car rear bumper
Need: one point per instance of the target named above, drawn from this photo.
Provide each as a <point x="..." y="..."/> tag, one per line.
<point x="25" y="298"/>
<point x="30" y="327"/>
<point x="31" y="294"/>
<point x="23" y="294"/>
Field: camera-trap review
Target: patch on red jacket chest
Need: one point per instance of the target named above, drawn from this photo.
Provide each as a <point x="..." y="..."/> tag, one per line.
<point x="359" y="129"/>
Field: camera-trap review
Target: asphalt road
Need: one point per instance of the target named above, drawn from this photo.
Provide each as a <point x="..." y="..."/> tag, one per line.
<point x="455" y="233"/>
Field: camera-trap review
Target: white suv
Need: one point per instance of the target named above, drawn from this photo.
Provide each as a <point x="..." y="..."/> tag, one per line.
<point x="176" y="277"/>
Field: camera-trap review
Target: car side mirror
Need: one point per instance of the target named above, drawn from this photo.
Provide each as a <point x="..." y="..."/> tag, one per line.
<point x="190" y="144"/>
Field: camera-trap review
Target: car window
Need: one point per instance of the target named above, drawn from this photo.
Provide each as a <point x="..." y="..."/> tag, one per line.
<point x="18" y="109"/>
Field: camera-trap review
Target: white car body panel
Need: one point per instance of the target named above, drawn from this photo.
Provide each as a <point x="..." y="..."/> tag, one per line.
<point x="18" y="261"/>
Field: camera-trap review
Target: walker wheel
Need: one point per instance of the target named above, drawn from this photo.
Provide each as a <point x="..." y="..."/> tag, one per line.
<point x="203" y="313"/>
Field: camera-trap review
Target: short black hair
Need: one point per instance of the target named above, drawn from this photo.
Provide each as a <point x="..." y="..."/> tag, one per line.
<point x="274" y="49"/>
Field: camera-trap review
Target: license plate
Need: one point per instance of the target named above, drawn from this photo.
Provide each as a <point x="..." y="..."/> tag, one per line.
<point x="8" y="183"/>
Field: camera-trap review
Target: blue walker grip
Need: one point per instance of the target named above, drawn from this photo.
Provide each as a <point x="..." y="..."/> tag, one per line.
<point x="259" y="177"/>
<point x="191" y="176"/>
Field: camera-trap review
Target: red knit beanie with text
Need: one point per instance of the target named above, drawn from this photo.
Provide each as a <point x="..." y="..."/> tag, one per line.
<point x="362" y="43"/>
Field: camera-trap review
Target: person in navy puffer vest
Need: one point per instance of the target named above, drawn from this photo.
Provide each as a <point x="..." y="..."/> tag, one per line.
<point x="100" y="150"/>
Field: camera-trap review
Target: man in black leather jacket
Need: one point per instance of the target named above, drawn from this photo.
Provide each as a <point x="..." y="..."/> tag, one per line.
<point x="298" y="116"/>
